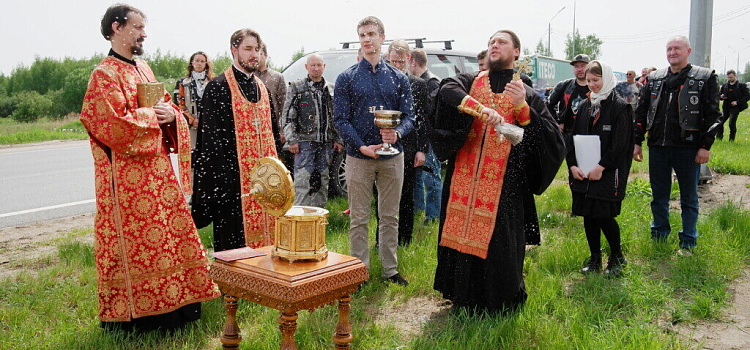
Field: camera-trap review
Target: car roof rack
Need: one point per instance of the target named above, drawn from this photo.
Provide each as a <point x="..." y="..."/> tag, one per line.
<point x="418" y="43"/>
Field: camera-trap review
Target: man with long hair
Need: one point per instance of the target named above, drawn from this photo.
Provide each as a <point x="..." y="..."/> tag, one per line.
<point x="236" y="130"/>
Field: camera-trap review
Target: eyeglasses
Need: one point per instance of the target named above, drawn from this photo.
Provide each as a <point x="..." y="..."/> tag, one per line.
<point x="631" y="74"/>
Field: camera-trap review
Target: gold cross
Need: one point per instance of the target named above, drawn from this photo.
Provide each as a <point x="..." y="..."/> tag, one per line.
<point x="522" y="66"/>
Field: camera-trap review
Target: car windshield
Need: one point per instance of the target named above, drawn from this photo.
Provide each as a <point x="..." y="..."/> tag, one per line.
<point x="443" y="65"/>
<point x="336" y="62"/>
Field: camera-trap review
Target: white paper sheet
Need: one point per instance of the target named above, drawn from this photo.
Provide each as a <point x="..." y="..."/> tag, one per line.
<point x="588" y="151"/>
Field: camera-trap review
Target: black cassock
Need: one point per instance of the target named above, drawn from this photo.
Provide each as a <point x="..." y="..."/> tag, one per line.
<point x="495" y="283"/>
<point x="216" y="184"/>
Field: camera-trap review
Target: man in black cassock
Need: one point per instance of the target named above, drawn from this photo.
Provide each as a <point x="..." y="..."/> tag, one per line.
<point x="482" y="241"/>
<point x="235" y="108"/>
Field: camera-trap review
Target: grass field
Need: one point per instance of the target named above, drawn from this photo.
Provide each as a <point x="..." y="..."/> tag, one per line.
<point x="68" y="128"/>
<point x="54" y="305"/>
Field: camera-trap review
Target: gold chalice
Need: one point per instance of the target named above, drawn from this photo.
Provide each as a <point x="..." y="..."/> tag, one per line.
<point x="386" y="119"/>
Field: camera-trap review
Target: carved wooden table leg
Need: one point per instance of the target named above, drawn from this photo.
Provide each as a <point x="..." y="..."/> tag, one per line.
<point x="231" y="338"/>
<point x="343" y="336"/>
<point x="288" y="324"/>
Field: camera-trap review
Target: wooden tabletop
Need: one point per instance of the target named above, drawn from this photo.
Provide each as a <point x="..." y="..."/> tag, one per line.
<point x="279" y="284"/>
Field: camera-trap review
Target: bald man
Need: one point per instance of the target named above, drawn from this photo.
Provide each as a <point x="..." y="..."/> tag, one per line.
<point x="308" y="128"/>
<point x="679" y="111"/>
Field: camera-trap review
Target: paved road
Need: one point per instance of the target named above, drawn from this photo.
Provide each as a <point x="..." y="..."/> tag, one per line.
<point x="45" y="181"/>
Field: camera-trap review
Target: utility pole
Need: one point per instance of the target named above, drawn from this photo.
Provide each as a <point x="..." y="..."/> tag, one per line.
<point x="549" y="32"/>
<point x="701" y="23"/>
<point x="574" y="29"/>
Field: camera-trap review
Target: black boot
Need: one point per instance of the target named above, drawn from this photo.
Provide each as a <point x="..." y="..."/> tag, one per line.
<point x="615" y="264"/>
<point x="592" y="264"/>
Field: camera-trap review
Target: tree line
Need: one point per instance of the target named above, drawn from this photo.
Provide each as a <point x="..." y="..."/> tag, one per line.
<point x="54" y="88"/>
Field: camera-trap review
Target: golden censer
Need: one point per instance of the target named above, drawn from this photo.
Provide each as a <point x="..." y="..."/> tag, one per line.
<point x="300" y="232"/>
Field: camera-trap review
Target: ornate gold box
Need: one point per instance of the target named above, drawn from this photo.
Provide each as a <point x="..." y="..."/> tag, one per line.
<point x="300" y="232"/>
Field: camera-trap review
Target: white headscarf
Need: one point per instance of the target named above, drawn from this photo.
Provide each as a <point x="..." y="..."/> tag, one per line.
<point x="608" y="83"/>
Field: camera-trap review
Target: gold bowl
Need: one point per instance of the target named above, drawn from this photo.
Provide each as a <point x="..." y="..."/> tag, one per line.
<point x="387" y="119"/>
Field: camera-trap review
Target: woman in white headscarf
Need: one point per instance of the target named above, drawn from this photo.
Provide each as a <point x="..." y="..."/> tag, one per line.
<point x="598" y="192"/>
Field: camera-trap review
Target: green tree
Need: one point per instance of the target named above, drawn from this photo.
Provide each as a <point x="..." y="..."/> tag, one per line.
<point x="745" y="76"/>
<point x="221" y="63"/>
<point x="70" y="97"/>
<point x="296" y="55"/>
<point x="542" y="49"/>
<point x="7" y="106"/>
<point x="3" y="86"/>
<point x="167" y="67"/>
<point x="590" y="45"/>
<point x="30" y="106"/>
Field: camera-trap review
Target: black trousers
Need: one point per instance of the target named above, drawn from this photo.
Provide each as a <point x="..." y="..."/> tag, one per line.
<point x="730" y="115"/>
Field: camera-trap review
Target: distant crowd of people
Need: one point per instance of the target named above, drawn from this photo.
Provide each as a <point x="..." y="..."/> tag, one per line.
<point x="153" y="269"/>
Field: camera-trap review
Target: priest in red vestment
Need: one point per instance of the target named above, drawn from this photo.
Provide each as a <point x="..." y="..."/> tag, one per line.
<point x="152" y="268"/>
<point x="234" y="133"/>
<point x="482" y="240"/>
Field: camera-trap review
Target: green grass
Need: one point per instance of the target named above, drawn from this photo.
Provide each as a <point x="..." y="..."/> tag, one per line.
<point x="731" y="157"/>
<point x="55" y="307"/>
<point x="54" y="304"/>
<point x="68" y="128"/>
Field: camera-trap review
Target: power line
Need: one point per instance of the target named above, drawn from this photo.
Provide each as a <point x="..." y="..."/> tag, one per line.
<point x="717" y="20"/>
<point x="663" y="34"/>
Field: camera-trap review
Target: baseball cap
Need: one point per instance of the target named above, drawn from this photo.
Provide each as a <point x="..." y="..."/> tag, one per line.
<point x="581" y="57"/>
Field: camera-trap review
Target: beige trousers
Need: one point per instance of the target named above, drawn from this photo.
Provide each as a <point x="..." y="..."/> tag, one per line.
<point x="388" y="176"/>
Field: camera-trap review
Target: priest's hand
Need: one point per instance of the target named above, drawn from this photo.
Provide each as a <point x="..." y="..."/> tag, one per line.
<point x="577" y="173"/>
<point x="596" y="173"/>
<point x="419" y="159"/>
<point x="370" y="150"/>
<point x="517" y="92"/>
<point x="294" y="148"/>
<point x="164" y="112"/>
<point x="491" y="116"/>
<point x="389" y="135"/>
<point x="637" y="153"/>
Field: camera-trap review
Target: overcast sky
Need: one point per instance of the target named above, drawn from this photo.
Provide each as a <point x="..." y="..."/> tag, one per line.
<point x="634" y="32"/>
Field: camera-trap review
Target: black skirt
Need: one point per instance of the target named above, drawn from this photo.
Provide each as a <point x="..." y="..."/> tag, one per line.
<point x="168" y="321"/>
<point x="594" y="208"/>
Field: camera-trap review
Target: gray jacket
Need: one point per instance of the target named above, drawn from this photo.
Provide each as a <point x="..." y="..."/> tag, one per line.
<point x="303" y="108"/>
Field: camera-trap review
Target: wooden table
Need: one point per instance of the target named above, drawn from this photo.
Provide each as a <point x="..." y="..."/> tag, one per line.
<point x="289" y="287"/>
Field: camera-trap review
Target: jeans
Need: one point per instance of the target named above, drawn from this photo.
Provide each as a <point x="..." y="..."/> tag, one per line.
<point x="311" y="173"/>
<point x="660" y="164"/>
<point x="431" y="183"/>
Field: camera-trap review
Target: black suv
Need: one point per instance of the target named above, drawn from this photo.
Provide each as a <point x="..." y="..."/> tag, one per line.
<point x="443" y="62"/>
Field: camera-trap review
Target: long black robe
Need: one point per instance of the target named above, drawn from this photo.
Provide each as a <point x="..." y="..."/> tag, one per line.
<point x="495" y="283"/>
<point x="216" y="183"/>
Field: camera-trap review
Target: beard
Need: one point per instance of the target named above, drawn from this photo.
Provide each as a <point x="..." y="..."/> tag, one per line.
<point x="248" y="65"/>
<point x="137" y="49"/>
<point x="499" y="64"/>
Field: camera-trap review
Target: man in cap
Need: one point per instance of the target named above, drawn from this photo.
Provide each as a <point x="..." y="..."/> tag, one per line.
<point x="570" y="93"/>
